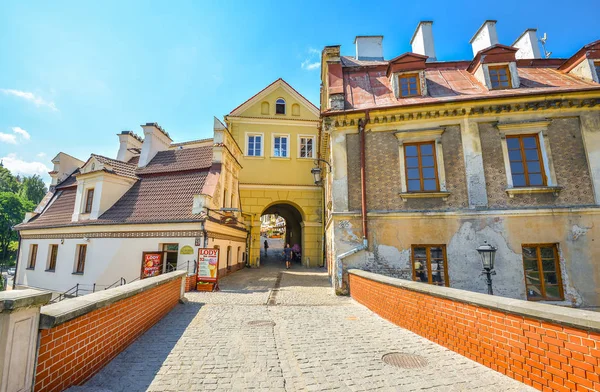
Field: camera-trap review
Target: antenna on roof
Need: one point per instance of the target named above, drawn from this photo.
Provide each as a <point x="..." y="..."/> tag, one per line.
<point x="543" y="42"/>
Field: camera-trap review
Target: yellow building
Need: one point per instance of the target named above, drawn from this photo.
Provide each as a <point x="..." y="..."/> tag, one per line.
<point x="277" y="130"/>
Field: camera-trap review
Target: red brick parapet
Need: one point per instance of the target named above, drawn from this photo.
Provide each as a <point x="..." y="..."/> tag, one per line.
<point x="548" y="347"/>
<point x="79" y="336"/>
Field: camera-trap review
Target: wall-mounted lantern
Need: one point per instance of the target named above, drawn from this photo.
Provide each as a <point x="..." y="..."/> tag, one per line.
<point x="488" y="255"/>
<point x="316" y="171"/>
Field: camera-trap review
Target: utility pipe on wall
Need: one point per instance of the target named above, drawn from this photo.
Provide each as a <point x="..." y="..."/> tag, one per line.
<point x="362" y="123"/>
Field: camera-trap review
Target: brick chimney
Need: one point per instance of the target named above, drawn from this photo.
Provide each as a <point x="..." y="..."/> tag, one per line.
<point x="155" y="139"/>
<point x="369" y="47"/>
<point x="130" y="145"/>
<point x="528" y="45"/>
<point x="484" y="37"/>
<point x="422" y="40"/>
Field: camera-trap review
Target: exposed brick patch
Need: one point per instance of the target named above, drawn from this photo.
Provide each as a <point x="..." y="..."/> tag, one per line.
<point x="190" y="283"/>
<point x="547" y="356"/>
<point x="72" y="352"/>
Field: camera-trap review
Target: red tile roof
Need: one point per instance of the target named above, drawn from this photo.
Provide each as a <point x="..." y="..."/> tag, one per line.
<point x="178" y="160"/>
<point x="58" y="213"/>
<point x="120" y="168"/>
<point x="366" y="85"/>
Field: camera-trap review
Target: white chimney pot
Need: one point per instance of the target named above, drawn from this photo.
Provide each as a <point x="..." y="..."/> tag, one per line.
<point x="369" y="47"/>
<point x="484" y="37"/>
<point x="422" y="40"/>
<point x="528" y="45"/>
<point x="155" y="140"/>
<point x="127" y="141"/>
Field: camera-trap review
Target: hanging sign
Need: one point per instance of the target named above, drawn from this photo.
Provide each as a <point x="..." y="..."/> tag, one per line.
<point x="151" y="264"/>
<point x="187" y="250"/>
<point x="208" y="264"/>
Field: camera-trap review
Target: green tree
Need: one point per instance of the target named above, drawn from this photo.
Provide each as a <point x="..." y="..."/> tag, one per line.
<point x="12" y="212"/>
<point x="33" y="189"/>
<point x="8" y="182"/>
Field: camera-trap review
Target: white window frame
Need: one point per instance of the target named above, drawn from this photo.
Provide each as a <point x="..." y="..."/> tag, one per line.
<point x="417" y="136"/>
<point x="300" y="137"/>
<point x="262" y="148"/>
<point x="538" y="128"/>
<point x="287" y="146"/>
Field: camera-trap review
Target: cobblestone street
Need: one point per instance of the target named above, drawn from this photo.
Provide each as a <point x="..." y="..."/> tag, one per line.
<point x="306" y="339"/>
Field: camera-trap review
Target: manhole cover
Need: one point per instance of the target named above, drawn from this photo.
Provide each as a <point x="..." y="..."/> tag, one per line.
<point x="405" y="361"/>
<point x="261" y="323"/>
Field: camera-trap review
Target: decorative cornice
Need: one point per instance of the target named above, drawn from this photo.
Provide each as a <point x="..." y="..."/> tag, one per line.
<point x="117" y="234"/>
<point x="344" y="120"/>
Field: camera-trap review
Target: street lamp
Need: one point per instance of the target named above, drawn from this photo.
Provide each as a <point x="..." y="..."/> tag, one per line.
<point x="488" y="254"/>
<point x="316" y="171"/>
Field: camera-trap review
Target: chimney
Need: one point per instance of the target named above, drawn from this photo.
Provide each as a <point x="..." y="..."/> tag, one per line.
<point x="155" y="139"/>
<point x="130" y="145"/>
<point x="484" y="37"/>
<point x="528" y="46"/>
<point x="369" y="47"/>
<point x="422" y="40"/>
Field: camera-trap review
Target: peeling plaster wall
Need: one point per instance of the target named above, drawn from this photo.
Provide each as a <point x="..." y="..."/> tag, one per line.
<point x="585" y="70"/>
<point x="391" y="239"/>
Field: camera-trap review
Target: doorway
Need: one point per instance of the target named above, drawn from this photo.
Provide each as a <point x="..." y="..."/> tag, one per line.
<point x="281" y="224"/>
<point x="170" y="252"/>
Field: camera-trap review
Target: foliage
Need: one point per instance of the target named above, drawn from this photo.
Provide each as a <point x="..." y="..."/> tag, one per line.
<point x="12" y="212"/>
<point x="33" y="188"/>
<point x="8" y="183"/>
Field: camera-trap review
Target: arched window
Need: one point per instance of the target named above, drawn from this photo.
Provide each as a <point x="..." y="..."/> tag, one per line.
<point x="280" y="106"/>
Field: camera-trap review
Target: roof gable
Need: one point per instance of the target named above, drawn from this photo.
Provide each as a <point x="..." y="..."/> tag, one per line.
<point x="407" y="62"/>
<point x="278" y="89"/>
<point x="589" y="51"/>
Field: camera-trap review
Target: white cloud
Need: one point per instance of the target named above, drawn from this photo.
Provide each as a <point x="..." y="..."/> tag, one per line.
<point x="311" y="62"/>
<point x="8" y="138"/>
<point x="36" y="100"/>
<point x="41" y="155"/>
<point x="24" y="134"/>
<point x="18" y="135"/>
<point x="19" y="166"/>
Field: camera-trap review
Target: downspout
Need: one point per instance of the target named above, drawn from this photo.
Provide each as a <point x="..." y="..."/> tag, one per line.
<point x="14" y="285"/>
<point x="339" y="287"/>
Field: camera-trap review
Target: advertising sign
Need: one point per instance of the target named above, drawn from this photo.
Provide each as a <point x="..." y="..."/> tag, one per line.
<point x="187" y="250"/>
<point x="151" y="264"/>
<point x="208" y="264"/>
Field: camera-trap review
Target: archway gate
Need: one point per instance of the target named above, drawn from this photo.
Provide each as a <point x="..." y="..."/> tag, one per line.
<point x="300" y="204"/>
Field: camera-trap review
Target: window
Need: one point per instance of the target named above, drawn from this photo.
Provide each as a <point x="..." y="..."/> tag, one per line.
<point x="542" y="272"/>
<point x="429" y="264"/>
<point x="597" y="66"/>
<point x="81" y="252"/>
<point x="526" y="165"/>
<point x="409" y="85"/>
<point x="32" y="256"/>
<point x="255" y="145"/>
<point x="170" y="255"/>
<point x="500" y="77"/>
<point x="89" y="199"/>
<point x="53" y="253"/>
<point x="307" y="147"/>
<point x="280" y="106"/>
<point x="421" y="167"/>
<point x="280" y="146"/>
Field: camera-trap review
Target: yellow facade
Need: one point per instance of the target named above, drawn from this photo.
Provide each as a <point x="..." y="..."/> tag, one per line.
<point x="275" y="179"/>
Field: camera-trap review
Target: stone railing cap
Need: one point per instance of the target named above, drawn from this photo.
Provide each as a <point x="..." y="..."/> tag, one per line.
<point x="577" y="318"/>
<point x="61" y="312"/>
<point x="15" y="299"/>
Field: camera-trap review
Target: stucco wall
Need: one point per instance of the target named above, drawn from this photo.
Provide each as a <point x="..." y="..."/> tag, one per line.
<point x="570" y="163"/>
<point x="391" y="238"/>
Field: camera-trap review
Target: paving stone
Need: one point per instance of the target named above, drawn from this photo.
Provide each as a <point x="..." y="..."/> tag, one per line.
<point x="319" y="342"/>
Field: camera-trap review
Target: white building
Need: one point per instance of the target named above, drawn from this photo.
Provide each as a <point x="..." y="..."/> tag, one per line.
<point x="158" y="196"/>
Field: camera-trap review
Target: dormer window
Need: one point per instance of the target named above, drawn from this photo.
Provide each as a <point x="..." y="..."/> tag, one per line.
<point x="280" y="106"/>
<point x="409" y="85"/>
<point x="89" y="199"/>
<point x="597" y="66"/>
<point x="500" y="77"/>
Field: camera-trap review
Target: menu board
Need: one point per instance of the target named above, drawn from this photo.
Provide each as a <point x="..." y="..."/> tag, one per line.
<point x="208" y="264"/>
<point x="151" y="264"/>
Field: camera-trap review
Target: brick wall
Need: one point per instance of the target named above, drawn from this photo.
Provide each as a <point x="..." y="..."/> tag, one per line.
<point x="190" y="283"/>
<point x="72" y="352"/>
<point x="545" y="355"/>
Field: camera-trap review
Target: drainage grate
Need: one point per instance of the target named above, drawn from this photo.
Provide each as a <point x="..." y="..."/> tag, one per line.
<point x="405" y="361"/>
<point x="261" y="323"/>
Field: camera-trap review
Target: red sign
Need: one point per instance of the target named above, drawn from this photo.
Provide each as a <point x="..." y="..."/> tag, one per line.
<point x="151" y="264"/>
<point x="208" y="264"/>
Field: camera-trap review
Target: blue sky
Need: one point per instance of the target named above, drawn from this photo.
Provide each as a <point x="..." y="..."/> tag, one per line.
<point x="75" y="73"/>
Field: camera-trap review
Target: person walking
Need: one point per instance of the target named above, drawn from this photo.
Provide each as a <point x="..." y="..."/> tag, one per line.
<point x="287" y="254"/>
<point x="266" y="247"/>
